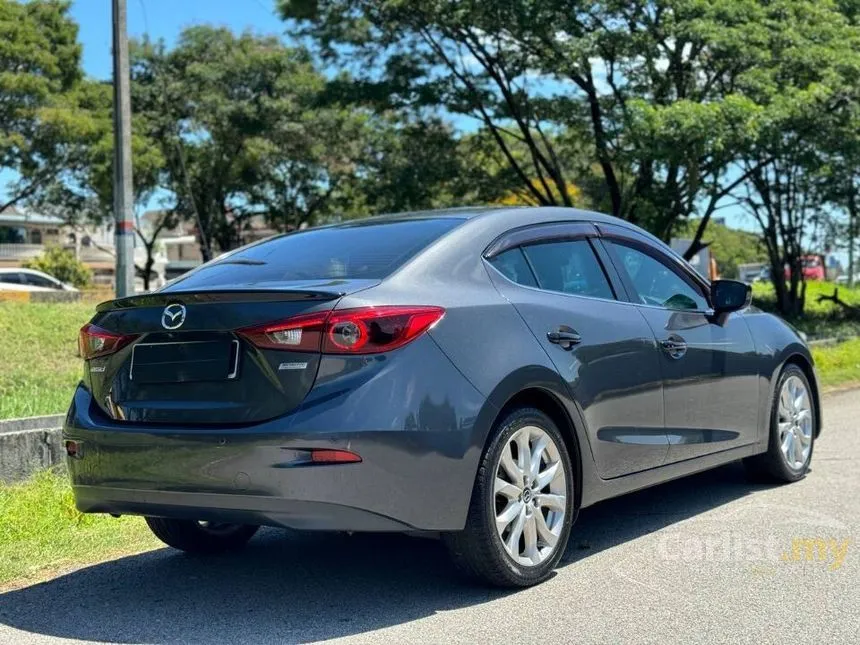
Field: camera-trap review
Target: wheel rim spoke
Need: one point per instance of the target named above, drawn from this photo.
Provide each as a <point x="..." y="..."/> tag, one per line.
<point x="507" y="489"/>
<point x="798" y="448"/>
<point x="515" y="475"/>
<point x="538" y="448"/>
<point x="544" y="533"/>
<point x="513" y="541"/>
<point x="511" y="512"/>
<point x="530" y="541"/>
<point x="523" y="452"/>
<point x="552" y="502"/>
<point x="788" y="443"/>
<point x="546" y="476"/>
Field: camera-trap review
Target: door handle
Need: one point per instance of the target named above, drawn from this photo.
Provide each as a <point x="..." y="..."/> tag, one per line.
<point x="564" y="337"/>
<point x="674" y="346"/>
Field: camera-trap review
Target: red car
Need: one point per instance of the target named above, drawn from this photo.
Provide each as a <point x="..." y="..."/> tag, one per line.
<point x="812" y="267"/>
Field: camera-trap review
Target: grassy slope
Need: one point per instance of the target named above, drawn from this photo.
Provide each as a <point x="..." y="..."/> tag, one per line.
<point x="838" y="365"/>
<point x="38" y="345"/>
<point x="820" y="319"/>
<point x="41" y="531"/>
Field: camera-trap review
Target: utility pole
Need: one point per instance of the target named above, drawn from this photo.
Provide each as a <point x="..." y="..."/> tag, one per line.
<point x="122" y="182"/>
<point x="852" y="232"/>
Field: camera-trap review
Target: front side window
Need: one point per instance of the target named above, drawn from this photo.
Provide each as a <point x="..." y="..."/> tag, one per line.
<point x="568" y="267"/>
<point x="655" y="283"/>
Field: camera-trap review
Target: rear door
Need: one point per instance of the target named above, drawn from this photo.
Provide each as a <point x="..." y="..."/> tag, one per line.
<point x="602" y="347"/>
<point x="709" y="363"/>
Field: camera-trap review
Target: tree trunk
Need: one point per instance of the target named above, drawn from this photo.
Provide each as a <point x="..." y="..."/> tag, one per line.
<point x="147" y="268"/>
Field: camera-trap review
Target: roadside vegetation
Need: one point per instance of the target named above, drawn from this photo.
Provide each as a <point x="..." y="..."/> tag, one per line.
<point x="38" y="343"/>
<point x="820" y="319"/>
<point x="838" y="365"/>
<point x="41" y="530"/>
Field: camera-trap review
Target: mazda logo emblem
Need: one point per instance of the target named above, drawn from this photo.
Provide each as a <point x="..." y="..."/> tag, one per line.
<point x="173" y="316"/>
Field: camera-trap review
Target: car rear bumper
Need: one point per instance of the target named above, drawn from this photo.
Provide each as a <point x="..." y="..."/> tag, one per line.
<point x="410" y="478"/>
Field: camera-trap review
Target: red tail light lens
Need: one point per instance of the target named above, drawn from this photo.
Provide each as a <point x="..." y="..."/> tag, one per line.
<point x="95" y="341"/>
<point x="324" y="456"/>
<point x="368" y="330"/>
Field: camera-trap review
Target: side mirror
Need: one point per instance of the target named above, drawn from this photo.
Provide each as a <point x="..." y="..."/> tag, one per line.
<point x="730" y="295"/>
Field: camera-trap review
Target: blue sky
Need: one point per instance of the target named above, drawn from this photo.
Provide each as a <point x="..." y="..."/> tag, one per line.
<point x="165" y="19"/>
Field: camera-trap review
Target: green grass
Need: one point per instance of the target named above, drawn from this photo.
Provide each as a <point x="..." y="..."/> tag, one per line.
<point x="820" y="319"/>
<point x="838" y="364"/>
<point x="38" y="345"/>
<point x="41" y="531"/>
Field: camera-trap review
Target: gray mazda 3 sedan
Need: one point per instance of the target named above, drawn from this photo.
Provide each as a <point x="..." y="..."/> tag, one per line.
<point x="478" y="373"/>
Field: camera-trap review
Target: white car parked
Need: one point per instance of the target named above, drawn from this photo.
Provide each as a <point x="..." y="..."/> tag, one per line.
<point x="30" y="280"/>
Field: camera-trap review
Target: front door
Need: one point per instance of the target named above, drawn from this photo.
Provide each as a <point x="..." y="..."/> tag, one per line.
<point x="603" y="348"/>
<point x="710" y="382"/>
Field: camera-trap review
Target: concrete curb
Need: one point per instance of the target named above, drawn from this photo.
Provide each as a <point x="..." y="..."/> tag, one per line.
<point x="29" y="445"/>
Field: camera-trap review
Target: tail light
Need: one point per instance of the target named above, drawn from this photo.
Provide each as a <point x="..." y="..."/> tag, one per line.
<point x="367" y="330"/>
<point x="95" y="341"/>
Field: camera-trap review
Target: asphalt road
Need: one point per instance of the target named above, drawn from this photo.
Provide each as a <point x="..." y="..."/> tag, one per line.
<point x="710" y="558"/>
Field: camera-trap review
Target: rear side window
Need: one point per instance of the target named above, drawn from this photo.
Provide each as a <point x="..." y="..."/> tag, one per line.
<point x="10" y="278"/>
<point x="358" y="251"/>
<point x="512" y="264"/>
<point x="569" y="267"/>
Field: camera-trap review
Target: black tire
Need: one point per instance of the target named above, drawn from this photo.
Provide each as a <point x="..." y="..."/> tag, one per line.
<point x="194" y="537"/>
<point x="478" y="550"/>
<point x="772" y="465"/>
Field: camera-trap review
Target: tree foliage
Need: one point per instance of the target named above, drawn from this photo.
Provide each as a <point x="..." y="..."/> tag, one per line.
<point x="39" y="66"/>
<point x="63" y="265"/>
<point x="686" y="103"/>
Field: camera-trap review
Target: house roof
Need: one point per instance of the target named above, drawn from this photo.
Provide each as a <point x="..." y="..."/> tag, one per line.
<point x="19" y="218"/>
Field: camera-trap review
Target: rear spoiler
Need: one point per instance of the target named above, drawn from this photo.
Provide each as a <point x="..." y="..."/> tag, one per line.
<point x="162" y="299"/>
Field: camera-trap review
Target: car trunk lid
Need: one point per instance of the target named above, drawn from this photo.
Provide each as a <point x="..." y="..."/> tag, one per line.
<point x="184" y="361"/>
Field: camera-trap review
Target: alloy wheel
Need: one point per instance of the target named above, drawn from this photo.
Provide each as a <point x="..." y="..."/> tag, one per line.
<point x="794" y="422"/>
<point x="530" y="496"/>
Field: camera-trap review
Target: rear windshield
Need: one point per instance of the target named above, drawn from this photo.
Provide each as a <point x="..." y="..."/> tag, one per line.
<point x="358" y="251"/>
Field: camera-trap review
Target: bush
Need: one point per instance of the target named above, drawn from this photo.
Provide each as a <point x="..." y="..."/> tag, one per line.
<point x="63" y="265"/>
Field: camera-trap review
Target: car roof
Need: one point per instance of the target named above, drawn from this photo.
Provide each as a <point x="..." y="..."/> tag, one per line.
<point x="24" y="270"/>
<point x="551" y="213"/>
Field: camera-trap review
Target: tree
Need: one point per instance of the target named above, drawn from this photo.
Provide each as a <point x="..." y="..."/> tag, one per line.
<point x="39" y="65"/>
<point x="806" y="98"/>
<point x="81" y="191"/>
<point x="656" y="86"/>
<point x="241" y="130"/>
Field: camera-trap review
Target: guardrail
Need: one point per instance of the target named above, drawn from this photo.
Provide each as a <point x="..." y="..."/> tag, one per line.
<point x="29" y="445"/>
